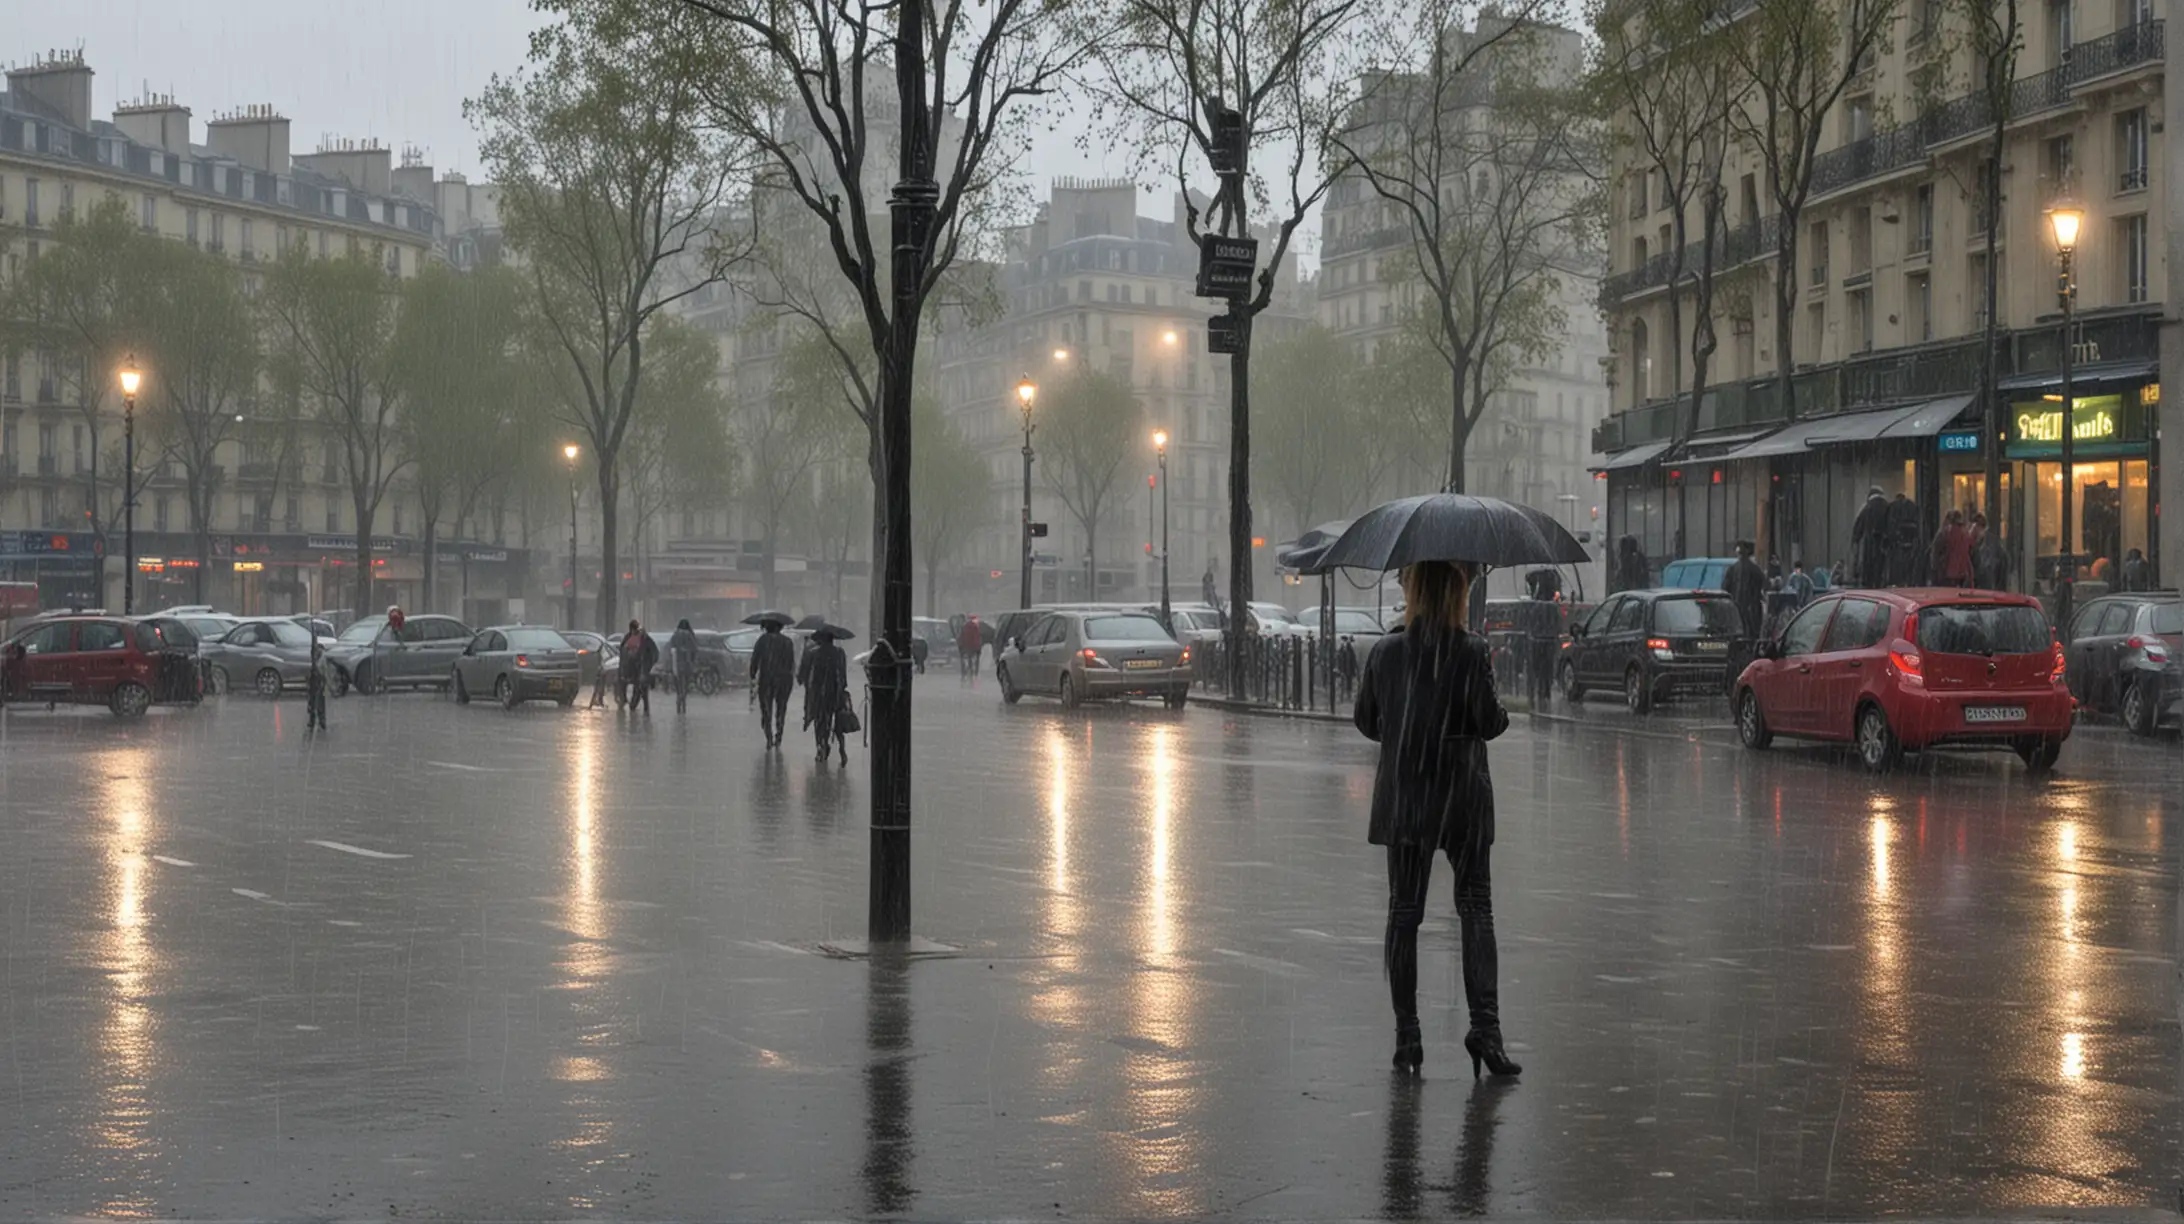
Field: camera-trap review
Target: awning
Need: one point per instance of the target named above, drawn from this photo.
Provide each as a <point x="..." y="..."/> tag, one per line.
<point x="2099" y="371"/>
<point x="1716" y="446"/>
<point x="1917" y="421"/>
<point x="1631" y="458"/>
<point x="1789" y="440"/>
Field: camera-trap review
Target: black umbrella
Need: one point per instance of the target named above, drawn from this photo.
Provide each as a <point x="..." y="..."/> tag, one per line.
<point x="1307" y="553"/>
<point x="825" y="630"/>
<point x="812" y="624"/>
<point x="760" y="618"/>
<point x="1452" y="527"/>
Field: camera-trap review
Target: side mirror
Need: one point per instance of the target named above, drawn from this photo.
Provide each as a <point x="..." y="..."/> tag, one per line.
<point x="1576" y="632"/>
<point x="1771" y="648"/>
<point x="1016" y="643"/>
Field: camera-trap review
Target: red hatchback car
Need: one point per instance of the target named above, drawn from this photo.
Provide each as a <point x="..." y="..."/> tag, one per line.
<point x="1911" y="669"/>
<point x="125" y="664"/>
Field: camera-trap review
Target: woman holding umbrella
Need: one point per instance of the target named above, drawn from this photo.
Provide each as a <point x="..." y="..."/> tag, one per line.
<point x="824" y="673"/>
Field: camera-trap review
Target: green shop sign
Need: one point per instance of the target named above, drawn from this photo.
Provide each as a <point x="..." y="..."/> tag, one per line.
<point x="2098" y="424"/>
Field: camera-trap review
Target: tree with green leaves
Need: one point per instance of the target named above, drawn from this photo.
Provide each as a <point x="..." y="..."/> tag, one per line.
<point x="1093" y="424"/>
<point x="74" y="307"/>
<point x="619" y="194"/>
<point x="202" y="357"/>
<point x="468" y="407"/>
<point x="1318" y="439"/>
<point x="679" y="455"/>
<point x="784" y="434"/>
<point x="951" y="494"/>
<point x="331" y="332"/>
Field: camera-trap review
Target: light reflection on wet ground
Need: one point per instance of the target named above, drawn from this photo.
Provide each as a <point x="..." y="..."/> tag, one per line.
<point x="1742" y="984"/>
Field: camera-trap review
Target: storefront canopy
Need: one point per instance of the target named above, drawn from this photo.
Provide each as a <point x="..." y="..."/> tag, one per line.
<point x="1631" y="458"/>
<point x="1917" y="421"/>
<point x="1717" y="446"/>
<point x="1790" y="440"/>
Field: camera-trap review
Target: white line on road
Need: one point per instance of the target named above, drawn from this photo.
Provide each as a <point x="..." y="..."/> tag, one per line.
<point x="465" y="768"/>
<point x="172" y="862"/>
<point x="255" y="896"/>
<point x="359" y="851"/>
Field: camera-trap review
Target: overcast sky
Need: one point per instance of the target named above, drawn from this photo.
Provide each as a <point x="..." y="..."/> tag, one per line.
<point x="394" y="70"/>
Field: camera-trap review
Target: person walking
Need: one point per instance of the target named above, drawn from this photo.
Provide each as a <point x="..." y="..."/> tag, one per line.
<point x="2138" y="574"/>
<point x="1746" y="585"/>
<point x="1632" y="571"/>
<point x="315" y="685"/>
<point x="1427" y="698"/>
<point x="640" y="654"/>
<point x="773" y="674"/>
<point x="1799" y="586"/>
<point x="824" y="673"/>
<point x="682" y="657"/>
<point x="1903" y="529"/>
<point x="969" y="641"/>
<point x="1869" y="540"/>
<point x="1950" y="555"/>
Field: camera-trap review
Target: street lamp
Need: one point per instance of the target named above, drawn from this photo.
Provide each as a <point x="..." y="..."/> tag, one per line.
<point x="2066" y="220"/>
<point x="131" y="378"/>
<point x="1168" y="338"/>
<point x="1026" y="392"/>
<point x="1160" y="445"/>
<point x="568" y="452"/>
<point x="1060" y="355"/>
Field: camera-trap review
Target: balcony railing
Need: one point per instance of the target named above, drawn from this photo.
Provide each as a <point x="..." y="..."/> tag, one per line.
<point x="258" y="470"/>
<point x="2132" y="179"/>
<point x="1733" y="248"/>
<point x="9" y="465"/>
<point x="1366" y="240"/>
<point x="1921" y="242"/>
<point x="49" y="465"/>
<point x="2128" y="47"/>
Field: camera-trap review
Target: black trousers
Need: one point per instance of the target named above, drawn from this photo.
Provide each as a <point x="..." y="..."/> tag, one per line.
<point x="1410" y="869"/>
<point x="822" y="728"/>
<point x="773" y="710"/>
<point x="314" y="701"/>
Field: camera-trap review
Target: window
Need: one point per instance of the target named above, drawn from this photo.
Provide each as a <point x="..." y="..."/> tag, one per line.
<point x="1700" y="615"/>
<point x="322" y="241"/>
<point x="1918" y="303"/>
<point x="2131" y="247"/>
<point x="1861" y="240"/>
<point x="398" y="518"/>
<point x="68" y="201"/>
<point x="51" y="639"/>
<point x="2131" y="150"/>
<point x="1802" y="635"/>
<point x="2059" y="32"/>
<point x="1641" y="362"/>
<point x="1630" y="616"/>
<point x="1858" y="118"/>
<point x="189" y="226"/>
<point x="247" y="246"/>
<point x="1975" y="292"/>
<point x="30" y="202"/>
<point x="100" y="635"/>
<point x="1983" y="629"/>
<point x="1929" y="20"/>
<point x="2055" y="166"/>
<point x="1748" y="200"/>
<point x="333" y="517"/>
<point x="1817" y="243"/>
<point x="1858" y="625"/>
<point x="215" y="232"/>
<point x="1861" y="318"/>
<point x="160" y="506"/>
<point x="1922" y="220"/>
<point x="151" y="211"/>
<point x="1638" y="252"/>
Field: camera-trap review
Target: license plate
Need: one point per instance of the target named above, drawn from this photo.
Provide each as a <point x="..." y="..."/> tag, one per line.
<point x="1994" y="714"/>
<point x="1710" y="647"/>
<point x="553" y="686"/>
<point x="1141" y="663"/>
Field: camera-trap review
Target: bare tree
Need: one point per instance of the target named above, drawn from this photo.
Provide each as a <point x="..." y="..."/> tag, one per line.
<point x="203" y="356"/>
<point x="1094" y="422"/>
<point x="617" y="192"/>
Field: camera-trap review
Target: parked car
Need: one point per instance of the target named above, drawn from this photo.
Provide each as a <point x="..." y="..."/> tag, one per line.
<point x="1907" y="670"/>
<point x="1651" y="646"/>
<point x="369" y="659"/>
<point x="1080" y="655"/>
<point x="591" y="653"/>
<point x="1696" y="573"/>
<point x="715" y="663"/>
<point x="517" y="663"/>
<point x="126" y="664"/>
<point x="266" y="655"/>
<point x="2124" y="655"/>
<point x="320" y="627"/>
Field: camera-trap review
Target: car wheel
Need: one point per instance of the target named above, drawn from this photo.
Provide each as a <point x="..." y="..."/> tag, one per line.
<point x="1878" y="747"/>
<point x="566" y="702"/>
<point x="2139" y="712"/>
<point x="218" y="681"/>
<point x="504" y="691"/>
<point x="341" y="683"/>
<point x="708" y="682"/>
<point x="1572" y="691"/>
<point x="2039" y="755"/>
<point x="462" y="692"/>
<point x="1009" y="692"/>
<point x="368" y="682"/>
<point x="1752" y="725"/>
<point x="1068" y="692"/>
<point x="1637" y="691"/>
<point x="130" y="700"/>
<point x="269" y="683"/>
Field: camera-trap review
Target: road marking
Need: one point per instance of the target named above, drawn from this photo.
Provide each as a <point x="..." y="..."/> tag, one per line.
<point x="253" y="895"/>
<point x="359" y="851"/>
<point x="172" y="862"/>
<point x="465" y="768"/>
<point x="343" y="922"/>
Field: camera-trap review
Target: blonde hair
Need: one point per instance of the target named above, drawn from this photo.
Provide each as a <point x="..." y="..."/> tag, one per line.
<point x="1437" y="593"/>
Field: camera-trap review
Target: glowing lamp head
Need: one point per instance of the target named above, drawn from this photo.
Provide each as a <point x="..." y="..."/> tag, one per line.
<point x="1168" y="337"/>
<point x="2066" y="221"/>
<point x="1027" y="391"/>
<point x="1061" y="354"/>
<point x="1160" y="439"/>
<point x="131" y="377"/>
<point x="569" y="452"/>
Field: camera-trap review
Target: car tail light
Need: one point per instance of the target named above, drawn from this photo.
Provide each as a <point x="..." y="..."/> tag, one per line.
<point x="1908" y="665"/>
<point x="1657" y="643"/>
<point x="1186" y="657"/>
<point x="523" y="660"/>
<point x="2056" y="673"/>
<point x="2157" y="651"/>
<point x="1092" y="657"/>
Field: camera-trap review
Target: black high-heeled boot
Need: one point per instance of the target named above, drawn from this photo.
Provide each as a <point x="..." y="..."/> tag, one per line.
<point x="1485" y="1046"/>
<point x="1410" y="1044"/>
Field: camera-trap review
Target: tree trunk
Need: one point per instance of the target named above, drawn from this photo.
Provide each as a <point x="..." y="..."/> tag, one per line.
<point x="610" y="562"/>
<point x="1785" y="307"/>
<point x="1239" y="498"/>
<point x="932" y="589"/>
<point x="429" y="593"/>
<point x="363" y="589"/>
<point x="1459" y="427"/>
<point x="769" y="585"/>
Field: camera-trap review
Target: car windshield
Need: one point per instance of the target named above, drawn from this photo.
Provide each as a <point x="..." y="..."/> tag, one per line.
<point x="741" y="639"/>
<point x="364" y="630"/>
<point x="1275" y="612"/>
<point x="208" y="626"/>
<point x="536" y="639"/>
<point x="1122" y="629"/>
<point x="1696" y="616"/>
<point x="1356" y="622"/>
<point x="289" y="633"/>
<point x="2169" y="618"/>
<point x="1983" y="629"/>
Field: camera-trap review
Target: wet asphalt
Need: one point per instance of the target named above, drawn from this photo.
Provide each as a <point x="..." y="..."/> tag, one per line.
<point x="457" y="962"/>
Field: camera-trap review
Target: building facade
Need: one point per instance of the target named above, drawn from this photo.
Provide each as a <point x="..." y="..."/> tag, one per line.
<point x="281" y="529"/>
<point x="1890" y="311"/>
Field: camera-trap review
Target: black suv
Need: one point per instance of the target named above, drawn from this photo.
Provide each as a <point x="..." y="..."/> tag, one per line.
<point x="2124" y="655"/>
<point x="1652" y="645"/>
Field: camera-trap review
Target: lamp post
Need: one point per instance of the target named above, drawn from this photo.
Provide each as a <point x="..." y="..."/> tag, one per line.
<point x="2065" y="220"/>
<point x="1026" y="392"/>
<point x="131" y="377"/>
<point x="1160" y="446"/>
<point x="569" y="453"/>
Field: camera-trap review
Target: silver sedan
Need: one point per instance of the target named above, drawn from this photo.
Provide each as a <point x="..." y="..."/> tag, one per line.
<point x="516" y="663"/>
<point x="264" y="655"/>
<point x="1080" y="655"/>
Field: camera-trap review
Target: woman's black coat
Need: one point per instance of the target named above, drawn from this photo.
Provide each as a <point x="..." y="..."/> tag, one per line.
<point x="1428" y="698"/>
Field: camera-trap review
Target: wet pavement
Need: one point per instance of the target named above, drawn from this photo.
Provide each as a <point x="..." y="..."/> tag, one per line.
<point x="450" y="961"/>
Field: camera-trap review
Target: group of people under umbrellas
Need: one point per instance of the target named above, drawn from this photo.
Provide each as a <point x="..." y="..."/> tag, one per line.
<point x="829" y="709"/>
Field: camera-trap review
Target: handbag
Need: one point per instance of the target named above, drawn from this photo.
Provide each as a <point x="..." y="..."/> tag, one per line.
<point x="845" y="719"/>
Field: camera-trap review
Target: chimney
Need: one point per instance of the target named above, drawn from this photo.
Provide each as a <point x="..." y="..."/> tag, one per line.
<point x="156" y="120"/>
<point x="365" y="165"/>
<point x="413" y="178"/>
<point x="256" y="136"/>
<point x="60" y="83"/>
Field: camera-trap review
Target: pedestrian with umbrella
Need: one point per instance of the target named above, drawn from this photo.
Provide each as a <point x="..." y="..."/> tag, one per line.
<point x="640" y="654"/>
<point x="773" y="673"/>
<point x="1427" y="698"/>
<point x="824" y="674"/>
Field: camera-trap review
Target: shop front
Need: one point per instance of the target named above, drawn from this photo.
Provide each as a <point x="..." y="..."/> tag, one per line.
<point x="2113" y="473"/>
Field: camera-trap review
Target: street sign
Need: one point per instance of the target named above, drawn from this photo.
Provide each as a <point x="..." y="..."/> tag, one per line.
<point x="1225" y="334"/>
<point x="1038" y="531"/>
<point x="1225" y="265"/>
<point x="1045" y="560"/>
<point x="1958" y="441"/>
